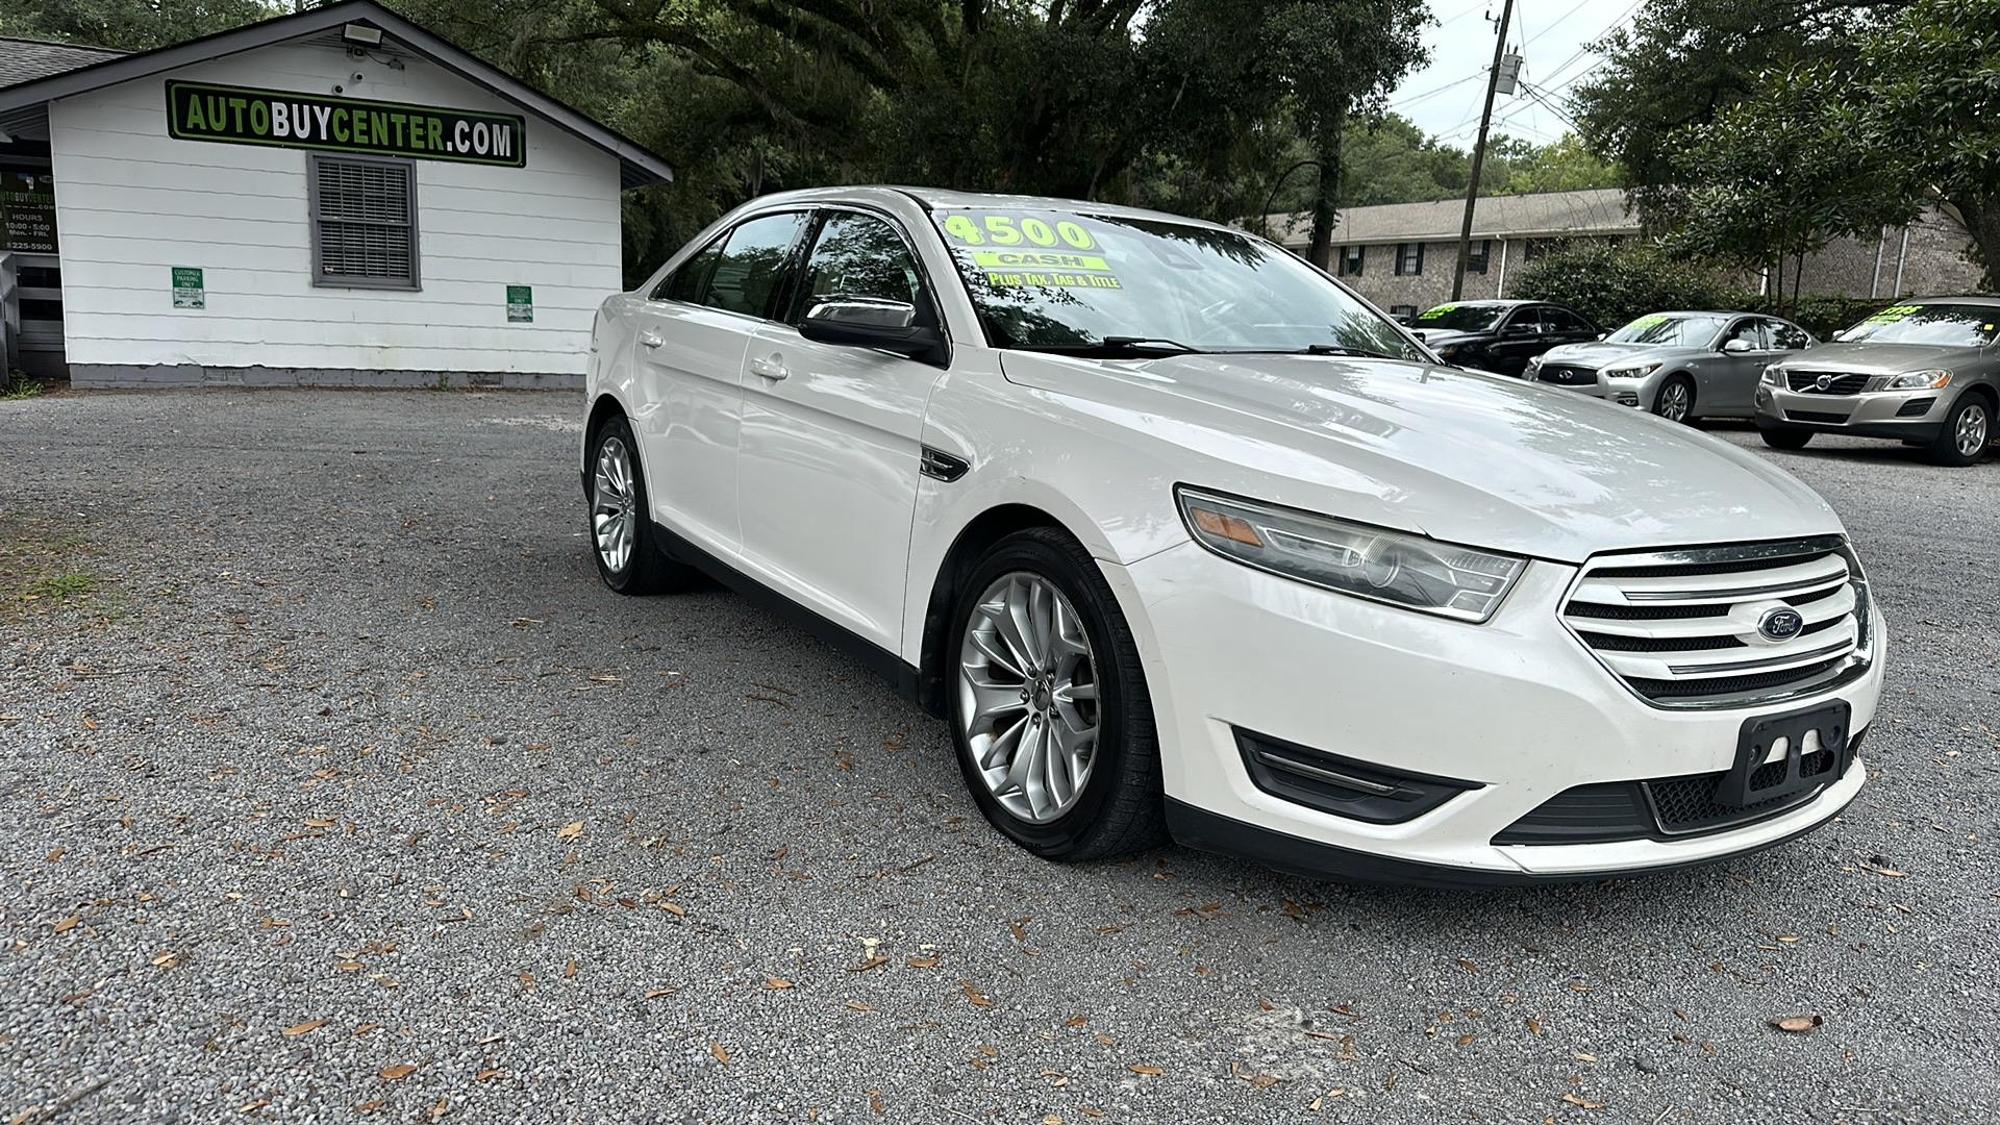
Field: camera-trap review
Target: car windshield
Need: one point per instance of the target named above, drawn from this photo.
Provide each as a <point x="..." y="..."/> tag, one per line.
<point x="1946" y="326"/>
<point x="1461" y="318"/>
<point x="1669" y="331"/>
<point x="1072" y="281"/>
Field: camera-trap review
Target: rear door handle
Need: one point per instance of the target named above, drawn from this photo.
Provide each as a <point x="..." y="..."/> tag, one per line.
<point x="772" y="368"/>
<point x="650" y="340"/>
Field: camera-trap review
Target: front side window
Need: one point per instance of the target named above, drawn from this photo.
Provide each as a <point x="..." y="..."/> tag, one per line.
<point x="1940" y="325"/>
<point x="1751" y="332"/>
<point x="1787" y="336"/>
<point x="364" y="220"/>
<point x="1461" y="317"/>
<point x="1071" y="280"/>
<point x="862" y="256"/>
<point x="752" y="259"/>
<point x="1669" y="331"/>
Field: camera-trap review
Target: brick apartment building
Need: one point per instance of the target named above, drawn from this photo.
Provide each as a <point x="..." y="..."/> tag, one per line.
<point x="1402" y="255"/>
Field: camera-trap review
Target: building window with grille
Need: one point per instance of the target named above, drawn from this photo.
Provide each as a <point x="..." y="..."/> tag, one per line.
<point x="1409" y="259"/>
<point x="1352" y="258"/>
<point x="364" y="222"/>
<point x="1477" y="255"/>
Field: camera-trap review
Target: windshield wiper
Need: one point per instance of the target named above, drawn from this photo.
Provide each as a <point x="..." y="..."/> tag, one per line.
<point x="1319" y="349"/>
<point x="1115" y="346"/>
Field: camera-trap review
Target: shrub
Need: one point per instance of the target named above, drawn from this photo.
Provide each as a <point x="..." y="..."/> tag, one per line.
<point x="1612" y="284"/>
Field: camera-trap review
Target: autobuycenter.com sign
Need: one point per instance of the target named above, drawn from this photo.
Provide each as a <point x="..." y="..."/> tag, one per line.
<point x="239" y="115"/>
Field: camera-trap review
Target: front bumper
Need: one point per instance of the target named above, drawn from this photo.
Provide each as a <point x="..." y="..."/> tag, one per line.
<point x="1517" y="706"/>
<point x="1914" y="416"/>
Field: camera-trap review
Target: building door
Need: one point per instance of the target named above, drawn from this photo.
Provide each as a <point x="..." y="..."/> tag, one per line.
<point x="32" y="275"/>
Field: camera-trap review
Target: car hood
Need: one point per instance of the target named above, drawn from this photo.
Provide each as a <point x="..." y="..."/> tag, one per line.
<point x="1603" y="353"/>
<point x="1884" y="359"/>
<point x="1461" y="456"/>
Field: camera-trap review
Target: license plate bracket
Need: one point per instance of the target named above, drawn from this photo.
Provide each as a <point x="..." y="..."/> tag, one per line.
<point x="1753" y="745"/>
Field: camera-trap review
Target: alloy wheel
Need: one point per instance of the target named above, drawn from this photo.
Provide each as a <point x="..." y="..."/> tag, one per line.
<point x="1971" y="435"/>
<point x="1674" y="402"/>
<point x="614" y="516"/>
<point x="1028" y="702"/>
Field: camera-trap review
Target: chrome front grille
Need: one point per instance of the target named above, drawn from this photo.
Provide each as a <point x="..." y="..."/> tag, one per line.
<point x="1683" y="628"/>
<point x="1837" y="382"/>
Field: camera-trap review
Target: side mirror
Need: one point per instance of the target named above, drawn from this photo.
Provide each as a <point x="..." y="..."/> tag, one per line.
<point x="1837" y="337"/>
<point x="871" y="322"/>
<point x="1735" y="347"/>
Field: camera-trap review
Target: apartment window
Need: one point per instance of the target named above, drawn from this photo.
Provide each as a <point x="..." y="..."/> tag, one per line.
<point x="364" y="220"/>
<point x="1409" y="259"/>
<point x="1402" y="312"/>
<point x="1480" y="253"/>
<point x="1351" y="260"/>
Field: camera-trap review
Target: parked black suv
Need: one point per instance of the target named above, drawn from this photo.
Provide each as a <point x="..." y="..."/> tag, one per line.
<point x="1500" y="336"/>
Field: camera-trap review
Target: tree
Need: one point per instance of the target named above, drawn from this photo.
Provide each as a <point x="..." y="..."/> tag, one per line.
<point x="1777" y="176"/>
<point x="1930" y="104"/>
<point x="1682" y="62"/>
<point x="126" y="25"/>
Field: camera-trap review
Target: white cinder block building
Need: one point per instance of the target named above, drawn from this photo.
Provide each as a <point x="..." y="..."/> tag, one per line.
<point x="332" y="197"/>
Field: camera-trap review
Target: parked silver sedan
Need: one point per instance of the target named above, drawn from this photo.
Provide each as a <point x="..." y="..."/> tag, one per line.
<point x="1679" y="365"/>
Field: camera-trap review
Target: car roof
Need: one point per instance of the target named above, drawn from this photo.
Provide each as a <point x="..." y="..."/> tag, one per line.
<point x="942" y="198"/>
<point x="1984" y="300"/>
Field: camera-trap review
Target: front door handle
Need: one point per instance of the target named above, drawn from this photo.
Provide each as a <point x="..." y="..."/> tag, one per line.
<point x="772" y="368"/>
<point x="650" y="340"/>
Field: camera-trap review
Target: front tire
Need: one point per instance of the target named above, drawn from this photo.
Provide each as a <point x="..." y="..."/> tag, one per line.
<point x="1967" y="429"/>
<point x="1784" y="439"/>
<point x="1675" y="400"/>
<point x="621" y="525"/>
<point x="1048" y="704"/>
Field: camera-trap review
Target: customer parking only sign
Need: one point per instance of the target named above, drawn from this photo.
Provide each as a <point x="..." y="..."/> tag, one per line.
<point x="238" y="115"/>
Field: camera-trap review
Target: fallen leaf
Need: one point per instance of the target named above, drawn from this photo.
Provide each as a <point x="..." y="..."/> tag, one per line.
<point x="1797" y="1025"/>
<point x="252" y="1107"/>
<point x="1534" y="1026"/>
<point x="858" y="1006"/>
<point x="570" y="831"/>
<point x="370" y="1107"/>
<point x="1103" y="1040"/>
<point x="1468" y="966"/>
<point x="55" y="855"/>
<point x="875" y="962"/>
<point x="489" y="1074"/>
<point x="1264" y="1081"/>
<point x="923" y="962"/>
<point x="68" y="924"/>
<point x="366" y="1028"/>
<point x="398" y="1072"/>
<point x="675" y="909"/>
<point x="1582" y="1102"/>
<point x="977" y="998"/>
<point x="1467" y="1040"/>
<point x="777" y="984"/>
<point x="306" y="1028"/>
<point x="442" y="1107"/>
<point x="1144" y="1071"/>
<point x="569" y="970"/>
<point x="1076" y="1021"/>
<point x="656" y="993"/>
<point x="321" y="822"/>
<point x="720" y="1052"/>
<point x="876" y="1103"/>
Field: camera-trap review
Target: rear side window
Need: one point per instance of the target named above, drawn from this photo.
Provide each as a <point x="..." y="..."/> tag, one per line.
<point x="752" y="261"/>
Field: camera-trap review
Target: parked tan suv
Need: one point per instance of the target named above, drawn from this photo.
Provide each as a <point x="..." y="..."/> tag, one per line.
<point x="1925" y="372"/>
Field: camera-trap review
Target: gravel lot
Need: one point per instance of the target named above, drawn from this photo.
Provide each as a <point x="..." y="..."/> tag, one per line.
<point x="333" y="784"/>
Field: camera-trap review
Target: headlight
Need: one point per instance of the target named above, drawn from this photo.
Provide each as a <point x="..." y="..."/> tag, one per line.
<point x="1774" y="375"/>
<point x="1448" y="350"/>
<point x="1351" y="558"/>
<point x="1630" y="371"/>
<point x="1534" y="364"/>
<point x="1918" y="381"/>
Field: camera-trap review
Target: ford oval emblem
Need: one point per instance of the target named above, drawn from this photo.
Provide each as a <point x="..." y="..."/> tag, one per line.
<point x="1780" y="624"/>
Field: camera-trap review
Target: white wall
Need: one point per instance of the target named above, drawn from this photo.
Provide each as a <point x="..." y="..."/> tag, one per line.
<point x="132" y="202"/>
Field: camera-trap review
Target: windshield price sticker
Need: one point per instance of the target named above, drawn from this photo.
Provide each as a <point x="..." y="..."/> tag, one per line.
<point x="990" y="260"/>
<point x="1893" y="313"/>
<point x="1053" y="280"/>
<point x="1016" y="230"/>
<point x="1433" y="314"/>
<point x="1652" y="320"/>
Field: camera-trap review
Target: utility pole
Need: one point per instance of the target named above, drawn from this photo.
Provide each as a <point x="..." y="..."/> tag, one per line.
<point x="1479" y="153"/>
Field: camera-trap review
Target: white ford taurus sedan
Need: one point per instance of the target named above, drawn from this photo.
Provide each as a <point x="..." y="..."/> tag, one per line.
<point x="1182" y="538"/>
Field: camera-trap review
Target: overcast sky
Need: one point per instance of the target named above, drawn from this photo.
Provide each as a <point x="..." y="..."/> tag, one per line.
<point x="1444" y="97"/>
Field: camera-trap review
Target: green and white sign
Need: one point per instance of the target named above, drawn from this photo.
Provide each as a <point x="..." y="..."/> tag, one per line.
<point x="520" y="304"/>
<point x="239" y="115"/>
<point x="189" y="292"/>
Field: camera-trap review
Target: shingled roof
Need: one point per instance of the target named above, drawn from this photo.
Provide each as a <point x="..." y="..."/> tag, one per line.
<point x="1548" y="214"/>
<point x="24" y="60"/>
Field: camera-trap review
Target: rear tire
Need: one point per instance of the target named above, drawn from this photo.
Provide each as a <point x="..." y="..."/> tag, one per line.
<point x="1967" y="431"/>
<point x="1038" y="652"/>
<point x="1675" y="400"/>
<point x="1784" y="439"/>
<point x="621" y="524"/>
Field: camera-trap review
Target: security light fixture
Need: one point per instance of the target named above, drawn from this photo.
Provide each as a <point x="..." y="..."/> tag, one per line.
<point x="362" y="35"/>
